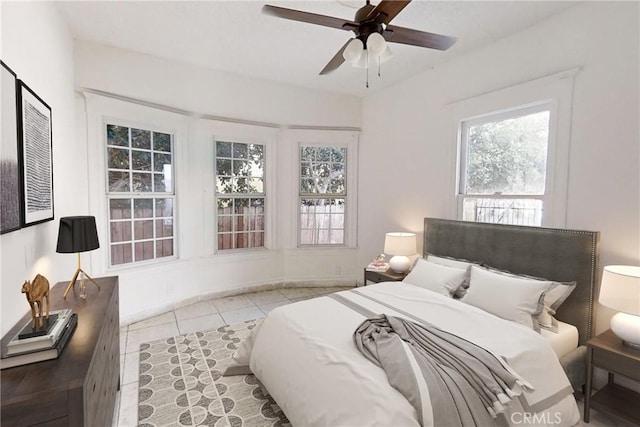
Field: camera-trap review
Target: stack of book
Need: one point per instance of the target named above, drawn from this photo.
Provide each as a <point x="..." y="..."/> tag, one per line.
<point x="378" y="266"/>
<point x="30" y="346"/>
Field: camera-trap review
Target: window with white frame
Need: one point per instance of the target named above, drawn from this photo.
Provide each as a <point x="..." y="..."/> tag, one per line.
<point x="140" y="193"/>
<point x="240" y="194"/>
<point x="504" y="166"/>
<point x="322" y="195"/>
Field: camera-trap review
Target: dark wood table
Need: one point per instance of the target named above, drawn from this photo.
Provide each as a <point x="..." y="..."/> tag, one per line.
<point x="78" y="388"/>
<point x="607" y="352"/>
<point x="383" y="276"/>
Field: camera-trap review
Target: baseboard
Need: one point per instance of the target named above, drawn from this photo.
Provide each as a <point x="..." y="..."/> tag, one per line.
<point x="160" y="309"/>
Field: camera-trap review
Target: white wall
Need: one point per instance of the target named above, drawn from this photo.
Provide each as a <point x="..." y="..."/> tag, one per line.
<point x="37" y="45"/>
<point x="604" y="182"/>
<point x="199" y="271"/>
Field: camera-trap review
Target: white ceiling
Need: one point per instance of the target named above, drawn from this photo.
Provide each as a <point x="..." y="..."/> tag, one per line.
<point x="234" y="36"/>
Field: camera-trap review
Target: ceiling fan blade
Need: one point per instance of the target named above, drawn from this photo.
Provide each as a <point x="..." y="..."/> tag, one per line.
<point x="387" y="10"/>
<point x="417" y="38"/>
<point x="311" y="18"/>
<point x="336" y="61"/>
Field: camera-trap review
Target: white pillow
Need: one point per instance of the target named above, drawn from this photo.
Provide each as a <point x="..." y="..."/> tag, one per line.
<point x="455" y="263"/>
<point x="512" y="298"/>
<point x="449" y="262"/>
<point x="438" y="278"/>
<point x="552" y="300"/>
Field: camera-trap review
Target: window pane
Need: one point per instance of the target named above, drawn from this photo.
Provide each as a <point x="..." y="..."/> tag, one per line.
<point x="120" y="208"/>
<point x="225" y="206"/>
<point x="164" y="248"/>
<point x="144" y="251"/>
<point x="164" y="227"/>
<point x="503" y="211"/>
<point x="162" y="142"/>
<point x="241" y="205"/>
<point x="140" y="138"/>
<point x="336" y="186"/>
<point x="255" y="185"/>
<point x="141" y="182"/>
<point x="307" y="154"/>
<point x="240" y="151"/>
<point x="223" y="167"/>
<point x="164" y="207"/>
<point x="158" y="183"/>
<point x="143" y="208"/>
<point x="225" y="241"/>
<point x="508" y="156"/>
<point x="140" y="160"/>
<point x="118" y="135"/>
<point x="323" y="154"/>
<point x="223" y="149"/>
<point x="121" y="254"/>
<point x="121" y="231"/>
<point x="339" y="155"/>
<point x="240" y="168"/>
<point x="256" y="153"/>
<point x="118" y="181"/>
<point x="117" y="158"/>
<point x="242" y="240"/>
<point x="225" y="224"/>
<point x="336" y="237"/>
<point x="224" y="185"/>
<point x="143" y="230"/>
<point x="161" y="162"/>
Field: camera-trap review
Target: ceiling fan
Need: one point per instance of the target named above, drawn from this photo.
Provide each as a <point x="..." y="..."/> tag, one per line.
<point x="369" y="20"/>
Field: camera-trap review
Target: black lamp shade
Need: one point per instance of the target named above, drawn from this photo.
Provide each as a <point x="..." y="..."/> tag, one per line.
<point x="77" y="234"/>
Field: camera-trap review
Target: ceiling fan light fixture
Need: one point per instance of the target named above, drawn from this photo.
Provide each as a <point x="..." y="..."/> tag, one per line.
<point x="386" y="55"/>
<point x="376" y="44"/>
<point x="353" y="52"/>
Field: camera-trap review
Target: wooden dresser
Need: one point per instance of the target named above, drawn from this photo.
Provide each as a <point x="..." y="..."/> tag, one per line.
<point x="79" y="387"/>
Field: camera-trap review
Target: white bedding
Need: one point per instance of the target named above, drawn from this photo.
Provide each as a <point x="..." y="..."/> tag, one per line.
<point x="563" y="341"/>
<point x="304" y="355"/>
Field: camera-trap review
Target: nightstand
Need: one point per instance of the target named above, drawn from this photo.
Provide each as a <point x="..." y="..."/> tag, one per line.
<point x="383" y="276"/>
<point x="607" y="352"/>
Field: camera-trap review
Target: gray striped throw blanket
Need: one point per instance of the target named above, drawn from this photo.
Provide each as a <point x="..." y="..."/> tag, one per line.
<point x="466" y="384"/>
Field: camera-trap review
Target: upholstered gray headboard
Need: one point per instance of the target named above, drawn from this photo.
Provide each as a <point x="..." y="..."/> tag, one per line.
<point x="554" y="254"/>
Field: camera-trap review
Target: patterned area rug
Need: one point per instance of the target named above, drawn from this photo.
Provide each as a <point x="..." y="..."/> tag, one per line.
<point x="181" y="383"/>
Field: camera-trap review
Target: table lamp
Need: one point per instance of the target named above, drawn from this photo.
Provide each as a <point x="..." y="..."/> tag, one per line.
<point x="620" y="290"/>
<point x="77" y="234"/>
<point x="400" y="245"/>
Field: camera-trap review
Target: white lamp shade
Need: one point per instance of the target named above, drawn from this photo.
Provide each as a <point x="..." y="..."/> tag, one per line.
<point x="363" y="61"/>
<point x="376" y="44"/>
<point x="400" y="244"/>
<point x="386" y="55"/>
<point x="353" y="52"/>
<point x="620" y="288"/>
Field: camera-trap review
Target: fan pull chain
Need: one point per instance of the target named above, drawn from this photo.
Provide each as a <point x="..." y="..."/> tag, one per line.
<point x="367" y="67"/>
<point x="379" y="63"/>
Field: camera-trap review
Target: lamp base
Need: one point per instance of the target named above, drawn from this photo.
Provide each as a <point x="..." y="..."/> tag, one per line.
<point x="73" y="281"/>
<point x="627" y="327"/>
<point x="400" y="263"/>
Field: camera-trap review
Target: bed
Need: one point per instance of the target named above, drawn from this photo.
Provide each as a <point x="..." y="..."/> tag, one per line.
<point x="304" y="353"/>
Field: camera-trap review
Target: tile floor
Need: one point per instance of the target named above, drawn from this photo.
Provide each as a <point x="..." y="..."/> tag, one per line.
<point x="211" y="314"/>
<point x="199" y="316"/>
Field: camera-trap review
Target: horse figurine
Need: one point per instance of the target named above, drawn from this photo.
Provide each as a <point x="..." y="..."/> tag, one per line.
<point x="36" y="291"/>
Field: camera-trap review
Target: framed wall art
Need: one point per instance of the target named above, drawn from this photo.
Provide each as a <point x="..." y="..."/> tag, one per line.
<point x="36" y="157"/>
<point x="10" y="184"/>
